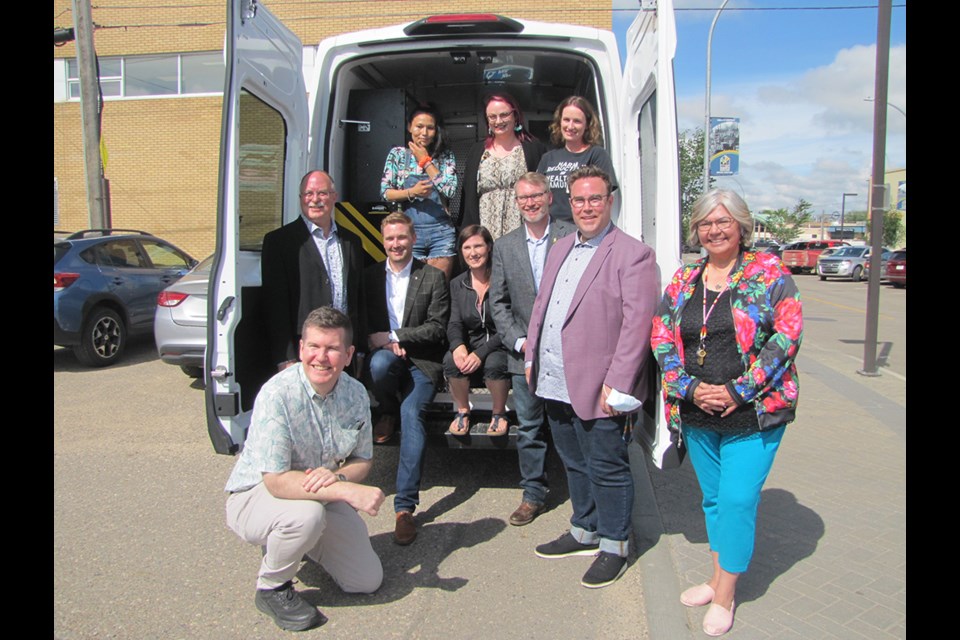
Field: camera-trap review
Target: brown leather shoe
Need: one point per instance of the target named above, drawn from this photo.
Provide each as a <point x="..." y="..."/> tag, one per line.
<point x="383" y="429"/>
<point x="406" y="529"/>
<point x="525" y="513"/>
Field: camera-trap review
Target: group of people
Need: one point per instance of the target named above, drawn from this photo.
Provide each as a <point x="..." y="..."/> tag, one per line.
<point x="566" y="313"/>
<point x="421" y="177"/>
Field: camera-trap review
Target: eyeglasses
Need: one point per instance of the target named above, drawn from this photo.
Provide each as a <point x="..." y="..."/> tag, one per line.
<point x="532" y="197"/>
<point x="495" y="117"/>
<point x="594" y="200"/>
<point x="326" y="193"/>
<point x="722" y="224"/>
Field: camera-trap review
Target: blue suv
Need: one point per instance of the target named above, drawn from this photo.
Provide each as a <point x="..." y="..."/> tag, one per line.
<point x="105" y="286"/>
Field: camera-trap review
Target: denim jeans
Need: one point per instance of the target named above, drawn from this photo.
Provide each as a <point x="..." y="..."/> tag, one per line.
<point x="594" y="455"/>
<point x="531" y="442"/>
<point x="397" y="383"/>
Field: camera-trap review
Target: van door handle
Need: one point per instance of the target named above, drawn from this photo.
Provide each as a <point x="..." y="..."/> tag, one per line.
<point x="363" y="126"/>
<point x="222" y="311"/>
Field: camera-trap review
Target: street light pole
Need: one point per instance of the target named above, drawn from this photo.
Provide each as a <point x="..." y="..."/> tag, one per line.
<point x="843" y="207"/>
<point x="889" y="104"/>
<point x="706" y="109"/>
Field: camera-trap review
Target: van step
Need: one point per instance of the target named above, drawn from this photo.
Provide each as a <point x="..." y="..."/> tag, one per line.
<point x="477" y="438"/>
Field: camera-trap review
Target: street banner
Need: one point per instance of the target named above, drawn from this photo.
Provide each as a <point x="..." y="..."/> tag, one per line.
<point x="724" y="146"/>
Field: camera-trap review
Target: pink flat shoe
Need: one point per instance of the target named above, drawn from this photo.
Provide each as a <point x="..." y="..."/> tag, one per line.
<point x="697" y="596"/>
<point x="718" y="620"/>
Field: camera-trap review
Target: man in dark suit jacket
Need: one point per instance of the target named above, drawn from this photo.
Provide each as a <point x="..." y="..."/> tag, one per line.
<point x="518" y="261"/>
<point x="408" y="304"/>
<point x="307" y="264"/>
<point x="586" y="355"/>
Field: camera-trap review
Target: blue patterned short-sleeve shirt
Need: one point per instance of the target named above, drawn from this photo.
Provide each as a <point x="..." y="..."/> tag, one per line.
<point x="294" y="428"/>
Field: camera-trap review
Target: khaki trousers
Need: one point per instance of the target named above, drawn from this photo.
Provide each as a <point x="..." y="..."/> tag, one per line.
<point x="333" y="535"/>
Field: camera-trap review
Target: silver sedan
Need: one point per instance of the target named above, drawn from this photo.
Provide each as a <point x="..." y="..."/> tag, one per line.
<point x="180" y="324"/>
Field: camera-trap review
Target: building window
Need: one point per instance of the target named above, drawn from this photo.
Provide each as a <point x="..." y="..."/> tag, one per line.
<point x="201" y="72"/>
<point x="164" y="75"/>
<point x="150" y="76"/>
<point x="110" y="77"/>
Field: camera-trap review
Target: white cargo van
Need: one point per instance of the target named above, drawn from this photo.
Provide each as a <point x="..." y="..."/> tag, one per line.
<point x="276" y="126"/>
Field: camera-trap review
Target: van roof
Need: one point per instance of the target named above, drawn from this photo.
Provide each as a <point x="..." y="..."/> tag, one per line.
<point x="434" y="28"/>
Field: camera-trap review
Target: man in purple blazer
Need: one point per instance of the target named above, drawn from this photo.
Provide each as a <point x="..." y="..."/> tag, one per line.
<point x="586" y="356"/>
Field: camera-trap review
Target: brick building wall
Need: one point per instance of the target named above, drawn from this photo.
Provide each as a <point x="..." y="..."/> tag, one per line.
<point x="163" y="152"/>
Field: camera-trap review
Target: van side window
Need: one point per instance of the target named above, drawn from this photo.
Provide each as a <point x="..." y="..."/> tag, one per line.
<point x="263" y="137"/>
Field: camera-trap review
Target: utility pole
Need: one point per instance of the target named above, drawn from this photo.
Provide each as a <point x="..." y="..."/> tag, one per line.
<point x="97" y="207"/>
<point x="877" y="201"/>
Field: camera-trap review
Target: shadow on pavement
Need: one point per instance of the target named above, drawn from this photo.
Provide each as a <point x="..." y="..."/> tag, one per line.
<point x="787" y="531"/>
<point x="434" y="543"/>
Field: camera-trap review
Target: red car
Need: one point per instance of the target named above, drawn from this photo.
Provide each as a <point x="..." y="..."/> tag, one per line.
<point x="802" y="256"/>
<point x="896" y="273"/>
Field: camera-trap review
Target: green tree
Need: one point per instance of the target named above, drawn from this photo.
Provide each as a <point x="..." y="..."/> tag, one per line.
<point x="854" y="216"/>
<point x="892" y="228"/>
<point x="785" y="225"/>
<point x="691" y="173"/>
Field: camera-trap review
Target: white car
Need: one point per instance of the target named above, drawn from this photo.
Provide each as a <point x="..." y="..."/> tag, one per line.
<point x="844" y="262"/>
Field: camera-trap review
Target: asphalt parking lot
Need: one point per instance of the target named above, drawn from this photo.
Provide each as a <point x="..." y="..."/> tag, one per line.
<point x="141" y="549"/>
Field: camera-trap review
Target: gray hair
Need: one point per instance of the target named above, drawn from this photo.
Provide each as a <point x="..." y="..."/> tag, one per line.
<point x="534" y="178"/>
<point x="730" y="201"/>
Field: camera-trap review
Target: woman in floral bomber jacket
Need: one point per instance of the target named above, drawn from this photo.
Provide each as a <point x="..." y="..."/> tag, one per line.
<point x="726" y="337"/>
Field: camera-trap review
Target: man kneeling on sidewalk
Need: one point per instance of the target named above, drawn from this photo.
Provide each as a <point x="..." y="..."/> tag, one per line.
<point x="295" y="489"/>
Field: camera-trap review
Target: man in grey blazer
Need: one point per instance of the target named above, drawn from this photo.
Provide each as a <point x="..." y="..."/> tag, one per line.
<point x="588" y="345"/>
<point x="518" y="260"/>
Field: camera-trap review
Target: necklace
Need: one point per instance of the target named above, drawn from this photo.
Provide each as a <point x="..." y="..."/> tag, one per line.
<point x="702" y="350"/>
<point x="721" y="281"/>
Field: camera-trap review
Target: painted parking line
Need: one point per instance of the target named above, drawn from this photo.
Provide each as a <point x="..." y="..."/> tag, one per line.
<point x="843" y="306"/>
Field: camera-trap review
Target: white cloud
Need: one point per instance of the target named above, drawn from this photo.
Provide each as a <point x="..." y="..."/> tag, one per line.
<point x="810" y="135"/>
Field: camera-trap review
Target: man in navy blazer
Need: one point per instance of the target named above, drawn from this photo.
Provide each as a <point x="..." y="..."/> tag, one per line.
<point x="518" y="261"/>
<point x="586" y="355"/>
<point x="307" y="264"/>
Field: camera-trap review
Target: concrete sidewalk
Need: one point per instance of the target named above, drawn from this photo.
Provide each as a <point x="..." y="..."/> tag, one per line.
<point x="830" y="555"/>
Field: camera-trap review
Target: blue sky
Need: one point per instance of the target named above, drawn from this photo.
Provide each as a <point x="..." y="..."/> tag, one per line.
<point x="797" y="79"/>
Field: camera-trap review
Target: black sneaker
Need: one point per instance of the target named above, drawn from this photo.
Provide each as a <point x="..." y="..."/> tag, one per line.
<point x="290" y="611"/>
<point x="604" y="570"/>
<point x="566" y="546"/>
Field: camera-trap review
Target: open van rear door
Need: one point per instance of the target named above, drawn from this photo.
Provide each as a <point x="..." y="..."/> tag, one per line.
<point x="649" y="111"/>
<point x="263" y="151"/>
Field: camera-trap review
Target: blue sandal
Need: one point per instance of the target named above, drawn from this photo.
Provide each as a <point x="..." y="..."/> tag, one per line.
<point x="494" y="428"/>
<point x="463" y="425"/>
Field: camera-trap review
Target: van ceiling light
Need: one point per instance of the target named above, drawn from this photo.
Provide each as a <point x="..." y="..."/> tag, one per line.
<point x="486" y="57"/>
<point x="459" y="57"/>
<point x="465" y="23"/>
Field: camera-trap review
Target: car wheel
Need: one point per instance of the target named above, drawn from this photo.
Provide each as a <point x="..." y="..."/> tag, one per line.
<point x="857" y="273"/>
<point x="899" y="285"/>
<point x="192" y="371"/>
<point x="103" y="339"/>
<point x="795" y="270"/>
<point x="822" y="278"/>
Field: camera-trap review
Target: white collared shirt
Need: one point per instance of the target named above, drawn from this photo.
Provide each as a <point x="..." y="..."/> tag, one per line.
<point x="397" y="283"/>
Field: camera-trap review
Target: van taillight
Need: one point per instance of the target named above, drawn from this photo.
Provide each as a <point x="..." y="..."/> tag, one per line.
<point x="63" y="280"/>
<point x="170" y="298"/>
<point x="467" y="23"/>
